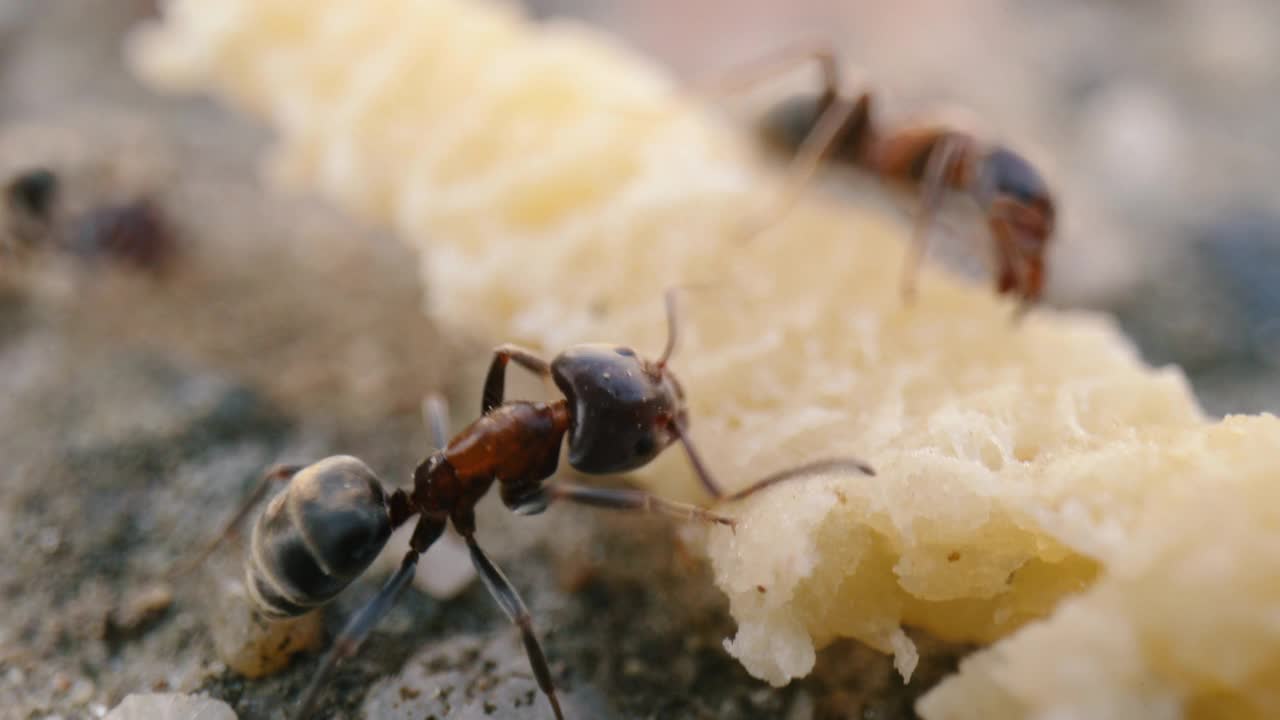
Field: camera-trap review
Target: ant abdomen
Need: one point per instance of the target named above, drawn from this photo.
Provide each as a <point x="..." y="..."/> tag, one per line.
<point x="623" y="407"/>
<point x="317" y="536"/>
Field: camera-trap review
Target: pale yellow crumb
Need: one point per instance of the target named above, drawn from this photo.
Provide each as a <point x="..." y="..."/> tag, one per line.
<point x="557" y="185"/>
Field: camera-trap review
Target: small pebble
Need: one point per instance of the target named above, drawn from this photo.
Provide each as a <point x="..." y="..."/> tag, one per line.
<point x="171" y="706"/>
<point x="252" y="645"/>
<point x="137" y="611"/>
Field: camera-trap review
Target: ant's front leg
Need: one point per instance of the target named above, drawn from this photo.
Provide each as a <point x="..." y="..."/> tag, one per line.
<point x="815" y="467"/>
<point x="495" y="382"/>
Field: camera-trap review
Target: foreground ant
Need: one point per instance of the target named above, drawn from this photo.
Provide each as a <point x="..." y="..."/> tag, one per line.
<point x="619" y="412"/>
<point x="928" y="159"/>
<point x="131" y="233"/>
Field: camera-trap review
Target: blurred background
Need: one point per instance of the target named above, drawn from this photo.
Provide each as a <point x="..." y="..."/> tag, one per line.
<point x="1155" y="123"/>
<point x="275" y="329"/>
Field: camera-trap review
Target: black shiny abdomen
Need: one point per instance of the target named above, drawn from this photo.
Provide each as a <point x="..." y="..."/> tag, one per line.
<point x="622" y="407"/>
<point x="317" y="536"/>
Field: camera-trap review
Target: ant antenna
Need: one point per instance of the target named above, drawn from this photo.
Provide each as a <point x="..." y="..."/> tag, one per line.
<point x="672" y="324"/>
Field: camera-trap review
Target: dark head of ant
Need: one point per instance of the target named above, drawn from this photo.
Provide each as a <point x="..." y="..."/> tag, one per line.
<point x="1020" y="209"/>
<point x="33" y="192"/>
<point x="624" y="409"/>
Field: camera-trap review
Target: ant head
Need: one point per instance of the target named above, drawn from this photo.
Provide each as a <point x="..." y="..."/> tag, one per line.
<point x="33" y="192"/>
<point x="1020" y="207"/>
<point x="625" y="409"/>
<point x="1012" y="189"/>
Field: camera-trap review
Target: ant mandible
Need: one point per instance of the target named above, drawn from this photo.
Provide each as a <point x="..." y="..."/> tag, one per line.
<point x="929" y="159"/>
<point x="619" y="412"/>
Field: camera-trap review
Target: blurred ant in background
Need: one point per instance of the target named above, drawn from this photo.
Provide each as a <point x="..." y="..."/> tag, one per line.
<point x="134" y="234"/>
<point x="618" y="413"/>
<point x="926" y="159"/>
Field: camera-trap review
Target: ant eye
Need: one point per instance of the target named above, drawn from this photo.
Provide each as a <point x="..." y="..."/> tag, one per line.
<point x="625" y="352"/>
<point x="644" y="446"/>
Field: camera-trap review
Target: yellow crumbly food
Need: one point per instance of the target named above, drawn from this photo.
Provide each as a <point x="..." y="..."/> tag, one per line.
<point x="556" y="185"/>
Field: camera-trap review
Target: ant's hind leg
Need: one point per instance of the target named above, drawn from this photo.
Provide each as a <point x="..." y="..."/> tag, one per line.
<point x="496" y="380"/>
<point x="363" y="622"/>
<point x="278" y="473"/>
<point x="748" y="75"/>
<point x="509" y="600"/>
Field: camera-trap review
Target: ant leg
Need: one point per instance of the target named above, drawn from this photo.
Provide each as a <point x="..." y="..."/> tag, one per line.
<point x="836" y="118"/>
<point x="509" y="600"/>
<point x="495" y="382"/>
<point x="811" y="468"/>
<point x="435" y="411"/>
<point x="755" y="72"/>
<point x="816" y="467"/>
<point x="363" y="622"/>
<point x="695" y="460"/>
<point x="623" y="499"/>
<point x="275" y="474"/>
<point x="944" y="155"/>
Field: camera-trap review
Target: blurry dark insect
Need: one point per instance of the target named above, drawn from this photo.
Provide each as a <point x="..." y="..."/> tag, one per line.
<point x="929" y="160"/>
<point x="134" y="234"/>
<point x="620" y="411"/>
<point x="30" y="200"/>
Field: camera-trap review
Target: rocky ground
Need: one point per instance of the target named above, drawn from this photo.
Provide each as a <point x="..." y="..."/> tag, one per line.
<point x="137" y="408"/>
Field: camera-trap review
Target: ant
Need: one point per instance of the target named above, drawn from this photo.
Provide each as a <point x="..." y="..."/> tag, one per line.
<point x="927" y="159"/>
<point x="134" y="233"/>
<point x="619" y="412"/>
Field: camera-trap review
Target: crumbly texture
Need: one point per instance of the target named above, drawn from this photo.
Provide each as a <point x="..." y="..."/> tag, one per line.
<point x="557" y="185"/>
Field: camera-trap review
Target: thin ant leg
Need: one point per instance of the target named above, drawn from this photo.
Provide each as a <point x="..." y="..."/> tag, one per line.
<point x="509" y="600"/>
<point x="495" y="382"/>
<point x="943" y="159"/>
<point x="695" y="460"/>
<point x="811" y="468"/>
<point x="276" y="474"/>
<point x="838" y="116"/>
<point x="363" y="622"/>
<point x="750" y="74"/>
<point x="621" y="499"/>
<point x="435" y="410"/>
<point x="816" y="467"/>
